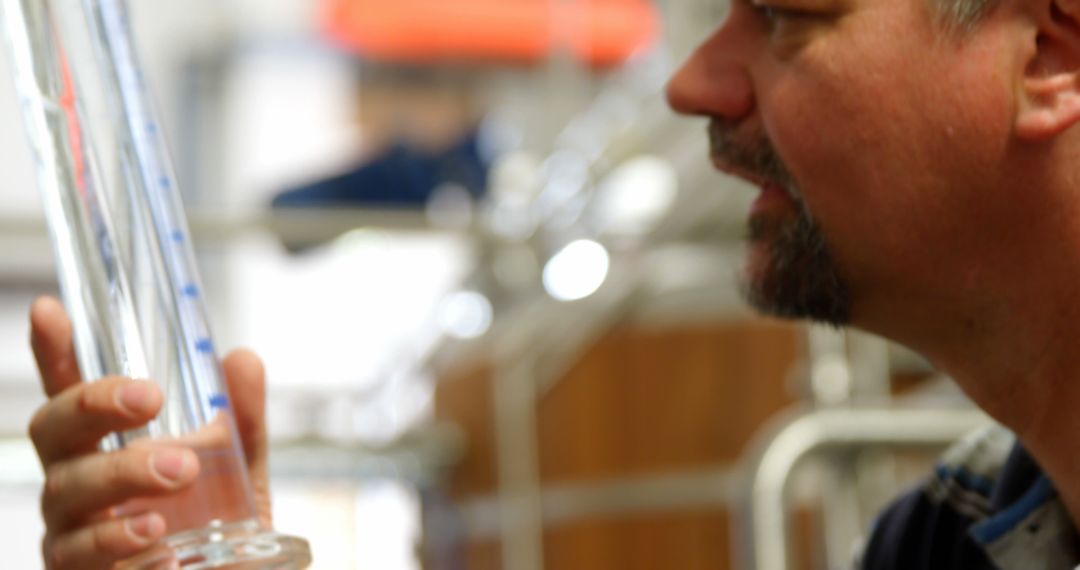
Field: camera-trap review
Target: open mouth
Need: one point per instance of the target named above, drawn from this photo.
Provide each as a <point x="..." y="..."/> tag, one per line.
<point x="773" y="197"/>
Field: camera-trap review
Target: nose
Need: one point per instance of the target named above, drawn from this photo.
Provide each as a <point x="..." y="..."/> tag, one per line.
<point x="713" y="81"/>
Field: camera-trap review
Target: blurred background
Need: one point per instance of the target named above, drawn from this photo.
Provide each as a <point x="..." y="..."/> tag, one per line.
<point x="495" y="283"/>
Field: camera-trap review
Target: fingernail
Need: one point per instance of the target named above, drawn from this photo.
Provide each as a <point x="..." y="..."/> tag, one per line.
<point x="146" y="526"/>
<point x="135" y="398"/>
<point x="169" y="464"/>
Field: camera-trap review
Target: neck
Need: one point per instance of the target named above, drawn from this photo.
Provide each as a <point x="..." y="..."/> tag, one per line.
<point x="1015" y="350"/>
<point x="1024" y="370"/>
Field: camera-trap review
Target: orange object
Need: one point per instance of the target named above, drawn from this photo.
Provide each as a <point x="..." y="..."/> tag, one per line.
<point x="599" y="32"/>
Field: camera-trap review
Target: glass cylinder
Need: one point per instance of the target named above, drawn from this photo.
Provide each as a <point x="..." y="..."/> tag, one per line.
<point x="127" y="272"/>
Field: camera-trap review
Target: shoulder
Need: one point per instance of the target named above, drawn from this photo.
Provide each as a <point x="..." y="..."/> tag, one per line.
<point x="928" y="526"/>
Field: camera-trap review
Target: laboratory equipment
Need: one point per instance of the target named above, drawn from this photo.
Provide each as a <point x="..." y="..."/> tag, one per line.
<point x="127" y="273"/>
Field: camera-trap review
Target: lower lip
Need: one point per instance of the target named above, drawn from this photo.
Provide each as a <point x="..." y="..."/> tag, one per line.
<point x="772" y="198"/>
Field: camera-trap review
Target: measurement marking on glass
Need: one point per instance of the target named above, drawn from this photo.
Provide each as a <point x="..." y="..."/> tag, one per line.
<point x="204" y="345"/>
<point x="219" y="402"/>
<point x="190" y="291"/>
<point x="164" y="182"/>
<point x="178" y="236"/>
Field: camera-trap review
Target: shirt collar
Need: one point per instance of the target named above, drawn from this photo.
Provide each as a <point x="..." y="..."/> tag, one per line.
<point x="1028" y="527"/>
<point x="1018" y="475"/>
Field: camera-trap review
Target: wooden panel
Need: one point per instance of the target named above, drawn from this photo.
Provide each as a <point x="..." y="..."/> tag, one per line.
<point x="639" y="402"/>
<point x="687" y="541"/>
<point x="482" y="556"/>
<point x="697" y="540"/>
<point x="466" y="401"/>
<point x="653" y="401"/>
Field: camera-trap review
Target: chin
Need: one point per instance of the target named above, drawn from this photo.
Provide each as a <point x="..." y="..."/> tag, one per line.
<point x="790" y="274"/>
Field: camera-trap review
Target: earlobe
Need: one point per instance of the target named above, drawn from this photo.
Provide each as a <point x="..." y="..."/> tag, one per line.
<point x="1050" y="105"/>
<point x="1050" y="98"/>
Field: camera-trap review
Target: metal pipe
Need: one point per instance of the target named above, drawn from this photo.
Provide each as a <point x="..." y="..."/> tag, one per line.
<point x="517" y="462"/>
<point x="702" y="490"/>
<point x="829" y="430"/>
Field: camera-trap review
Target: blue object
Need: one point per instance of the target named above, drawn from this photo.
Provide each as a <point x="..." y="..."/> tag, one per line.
<point x="400" y="177"/>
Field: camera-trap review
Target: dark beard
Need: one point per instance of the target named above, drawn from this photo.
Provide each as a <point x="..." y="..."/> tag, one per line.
<point x="800" y="278"/>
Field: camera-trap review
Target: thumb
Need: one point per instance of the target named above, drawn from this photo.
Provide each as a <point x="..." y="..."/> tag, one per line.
<point x="246" y="379"/>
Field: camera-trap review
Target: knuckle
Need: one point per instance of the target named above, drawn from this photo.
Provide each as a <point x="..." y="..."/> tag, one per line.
<point x="111" y="540"/>
<point x="56" y="560"/>
<point x="53" y="555"/>
<point x="38" y="425"/>
<point x="54" y="486"/>
<point x="100" y="540"/>
<point x="97" y="397"/>
<point x="92" y="399"/>
<point x="129" y="469"/>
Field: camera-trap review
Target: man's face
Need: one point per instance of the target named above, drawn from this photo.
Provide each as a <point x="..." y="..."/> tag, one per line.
<point x="874" y="137"/>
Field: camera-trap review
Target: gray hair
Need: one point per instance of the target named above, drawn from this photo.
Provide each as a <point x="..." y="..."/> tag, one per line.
<point x="962" y="15"/>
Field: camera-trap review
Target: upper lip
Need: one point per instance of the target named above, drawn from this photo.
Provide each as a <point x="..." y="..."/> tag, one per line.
<point x="750" y="176"/>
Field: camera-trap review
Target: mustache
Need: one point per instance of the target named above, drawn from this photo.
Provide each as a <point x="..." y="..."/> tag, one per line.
<point x="756" y="155"/>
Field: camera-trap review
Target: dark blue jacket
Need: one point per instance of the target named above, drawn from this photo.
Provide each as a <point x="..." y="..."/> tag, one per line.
<point x="988" y="506"/>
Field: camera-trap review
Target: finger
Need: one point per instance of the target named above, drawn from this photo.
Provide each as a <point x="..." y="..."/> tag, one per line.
<point x="246" y="378"/>
<point x="100" y="545"/>
<point x="75" y="421"/>
<point x="50" y="337"/>
<point x="76" y="489"/>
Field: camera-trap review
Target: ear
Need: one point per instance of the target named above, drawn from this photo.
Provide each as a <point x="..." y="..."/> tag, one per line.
<point x="1051" y="84"/>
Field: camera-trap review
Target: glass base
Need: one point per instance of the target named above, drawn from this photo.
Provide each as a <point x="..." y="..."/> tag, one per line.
<point x="237" y="546"/>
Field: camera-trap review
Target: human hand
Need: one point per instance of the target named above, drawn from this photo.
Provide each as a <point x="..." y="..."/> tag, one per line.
<point x="83" y="487"/>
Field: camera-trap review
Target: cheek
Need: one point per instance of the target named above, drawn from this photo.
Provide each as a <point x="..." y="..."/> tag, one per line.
<point x="850" y="139"/>
<point x="888" y="146"/>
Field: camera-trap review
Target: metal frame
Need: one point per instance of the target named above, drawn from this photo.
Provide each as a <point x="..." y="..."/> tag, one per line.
<point x="767" y="544"/>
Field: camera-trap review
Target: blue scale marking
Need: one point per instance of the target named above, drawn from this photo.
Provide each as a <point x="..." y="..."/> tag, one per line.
<point x="219" y="402"/>
<point x="192" y="322"/>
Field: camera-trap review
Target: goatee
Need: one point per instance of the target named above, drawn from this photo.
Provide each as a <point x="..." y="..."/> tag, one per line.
<point x="799" y="278"/>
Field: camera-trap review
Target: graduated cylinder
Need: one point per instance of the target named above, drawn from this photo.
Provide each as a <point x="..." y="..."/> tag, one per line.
<point x="126" y="268"/>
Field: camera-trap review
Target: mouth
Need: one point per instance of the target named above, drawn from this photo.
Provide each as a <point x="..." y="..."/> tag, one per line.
<point x="727" y="167"/>
<point x="773" y="198"/>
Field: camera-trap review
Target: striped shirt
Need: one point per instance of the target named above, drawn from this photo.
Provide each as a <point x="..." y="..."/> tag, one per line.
<point x="987" y="506"/>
